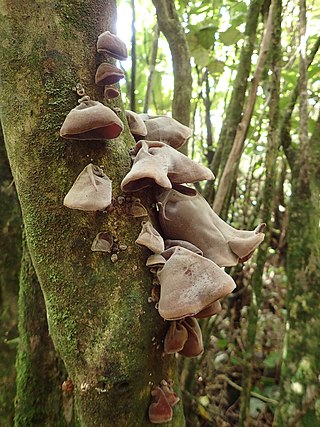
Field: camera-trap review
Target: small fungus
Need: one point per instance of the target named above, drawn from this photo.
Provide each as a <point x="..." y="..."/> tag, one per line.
<point x="185" y="214"/>
<point x="150" y="238"/>
<point x="189" y="283"/>
<point x="175" y="338"/>
<point x="108" y="74"/>
<point x="136" y="124"/>
<point x="137" y="209"/>
<point x="160" y="410"/>
<point x="114" y="258"/>
<point x="155" y="260"/>
<point x="67" y="386"/>
<point x="112" y="45"/>
<point x="110" y="92"/>
<point x="194" y="345"/>
<point x="92" y="190"/>
<point x="171" y="396"/>
<point x="209" y="311"/>
<point x="167" y="130"/>
<point x="91" y="120"/>
<point x="103" y="242"/>
<point x="158" y="163"/>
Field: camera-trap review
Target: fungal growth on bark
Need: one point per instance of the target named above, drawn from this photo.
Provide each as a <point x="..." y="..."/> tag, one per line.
<point x="190" y="245"/>
<point x="108" y="74"/>
<point x="91" y="120"/>
<point x="158" y="163"/>
<point x="112" y="45"/>
<point x="92" y="190"/>
<point x="166" y="129"/>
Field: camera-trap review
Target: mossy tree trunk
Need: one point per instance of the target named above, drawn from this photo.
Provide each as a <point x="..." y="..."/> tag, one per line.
<point x="40" y="373"/>
<point x="10" y="254"/>
<point x="300" y="395"/>
<point x="108" y="335"/>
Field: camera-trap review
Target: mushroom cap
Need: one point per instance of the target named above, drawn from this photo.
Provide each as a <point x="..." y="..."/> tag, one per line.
<point x="110" y="92"/>
<point x="102" y="243"/>
<point x="166" y="129"/>
<point x="171" y="396"/>
<point x="170" y="243"/>
<point x="185" y="214"/>
<point x="91" y="120"/>
<point x="209" y="311"/>
<point x="155" y="260"/>
<point x="112" y="45"/>
<point x="158" y="163"/>
<point x="108" y="74"/>
<point x="175" y="338"/>
<point x="91" y="191"/>
<point x="160" y="410"/>
<point x="193" y="347"/>
<point x="136" y="124"/>
<point x="150" y="238"/>
<point x="189" y="283"/>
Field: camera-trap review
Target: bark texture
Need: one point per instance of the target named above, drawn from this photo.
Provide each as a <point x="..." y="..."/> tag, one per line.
<point x="10" y="254"/>
<point x="108" y="335"/>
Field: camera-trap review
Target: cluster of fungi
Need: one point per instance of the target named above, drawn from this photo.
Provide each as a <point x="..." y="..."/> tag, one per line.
<point x="194" y="244"/>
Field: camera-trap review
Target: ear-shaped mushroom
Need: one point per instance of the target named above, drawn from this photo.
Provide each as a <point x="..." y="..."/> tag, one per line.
<point x="91" y="120"/>
<point x="103" y="242"/>
<point x="171" y="396"/>
<point x="168" y="243"/>
<point x="110" y="92"/>
<point x="136" y="124"/>
<point x="188" y="216"/>
<point x="108" y="74"/>
<point x="158" y="163"/>
<point x="175" y="338"/>
<point x="209" y="311"/>
<point x="150" y="238"/>
<point x="194" y="345"/>
<point x="92" y="190"/>
<point x="166" y="129"/>
<point x="160" y="410"/>
<point x="155" y="260"/>
<point x="137" y="209"/>
<point x="189" y="283"/>
<point x="112" y="45"/>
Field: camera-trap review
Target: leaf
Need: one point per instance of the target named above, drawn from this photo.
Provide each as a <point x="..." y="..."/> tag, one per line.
<point x="201" y="56"/>
<point x="256" y="406"/>
<point x="215" y="66"/>
<point x="205" y="36"/>
<point x="230" y="36"/>
<point x="272" y="360"/>
<point x="222" y="343"/>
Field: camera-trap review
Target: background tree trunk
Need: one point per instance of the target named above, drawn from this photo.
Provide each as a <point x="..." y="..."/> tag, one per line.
<point x="108" y="335"/>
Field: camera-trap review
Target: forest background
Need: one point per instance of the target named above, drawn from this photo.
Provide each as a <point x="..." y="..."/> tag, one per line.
<point x="245" y="75"/>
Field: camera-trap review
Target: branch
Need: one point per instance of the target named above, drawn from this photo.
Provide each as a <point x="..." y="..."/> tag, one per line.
<point x="242" y="129"/>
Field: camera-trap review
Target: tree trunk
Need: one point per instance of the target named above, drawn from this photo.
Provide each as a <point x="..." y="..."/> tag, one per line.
<point x="10" y="254"/>
<point x="108" y="335"/>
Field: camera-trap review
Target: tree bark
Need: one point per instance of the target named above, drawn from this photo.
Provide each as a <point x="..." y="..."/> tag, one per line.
<point x="10" y="254"/>
<point x="108" y="335"/>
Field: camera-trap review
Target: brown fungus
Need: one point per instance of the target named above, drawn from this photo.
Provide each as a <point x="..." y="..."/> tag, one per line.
<point x="155" y="260"/>
<point x="193" y="347"/>
<point x="167" y="130"/>
<point x="112" y="45"/>
<point x="171" y="396"/>
<point x="136" y="124"/>
<point x="92" y="190"/>
<point x="103" y="242"/>
<point x="158" y="163"/>
<point x="91" y="120"/>
<point x="175" y="338"/>
<point x="108" y="74"/>
<point x="160" y="410"/>
<point x="189" y="283"/>
<point x="169" y="243"/>
<point x="110" y="92"/>
<point x="185" y="214"/>
<point x="136" y="209"/>
<point x="150" y="238"/>
<point x="209" y="311"/>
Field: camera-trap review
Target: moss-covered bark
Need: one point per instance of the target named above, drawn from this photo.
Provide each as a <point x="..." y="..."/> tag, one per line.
<point x="235" y="106"/>
<point x="108" y="335"/>
<point x="267" y="209"/>
<point x="10" y="253"/>
<point x="40" y="373"/>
